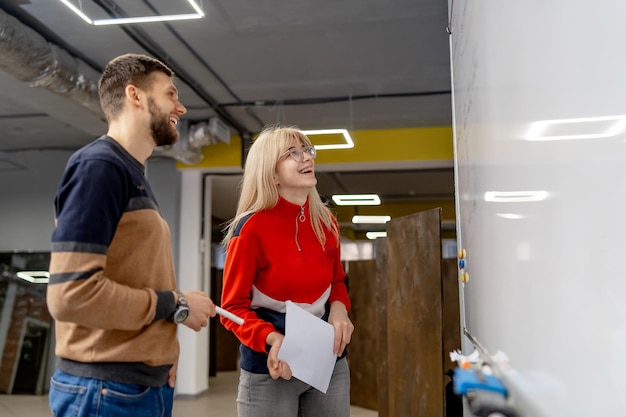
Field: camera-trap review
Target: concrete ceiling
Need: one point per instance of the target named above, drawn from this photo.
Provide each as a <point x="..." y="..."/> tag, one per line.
<point x="355" y="64"/>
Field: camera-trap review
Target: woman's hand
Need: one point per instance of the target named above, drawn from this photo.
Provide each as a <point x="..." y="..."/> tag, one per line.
<point x="277" y="368"/>
<point x="338" y="317"/>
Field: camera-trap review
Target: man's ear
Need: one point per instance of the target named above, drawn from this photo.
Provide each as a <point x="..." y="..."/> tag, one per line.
<point x="133" y="95"/>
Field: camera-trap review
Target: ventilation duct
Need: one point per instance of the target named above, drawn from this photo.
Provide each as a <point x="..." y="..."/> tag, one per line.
<point x="27" y="56"/>
<point x="187" y="149"/>
<point x="209" y="133"/>
<point x="218" y="130"/>
<point x="194" y="137"/>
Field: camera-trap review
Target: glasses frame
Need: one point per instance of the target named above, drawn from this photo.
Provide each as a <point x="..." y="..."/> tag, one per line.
<point x="297" y="154"/>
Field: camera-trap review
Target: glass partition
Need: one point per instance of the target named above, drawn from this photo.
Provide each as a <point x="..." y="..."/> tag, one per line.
<point x="25" y="323"/>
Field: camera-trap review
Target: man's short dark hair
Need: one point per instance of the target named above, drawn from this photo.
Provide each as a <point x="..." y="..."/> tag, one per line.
<point x="122" y="71"/>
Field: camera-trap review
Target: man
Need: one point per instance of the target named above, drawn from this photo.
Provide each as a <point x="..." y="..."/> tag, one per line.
<point x="112" y="281"/>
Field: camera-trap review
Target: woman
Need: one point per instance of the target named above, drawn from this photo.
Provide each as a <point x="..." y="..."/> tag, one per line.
<point x="283" y="244"/>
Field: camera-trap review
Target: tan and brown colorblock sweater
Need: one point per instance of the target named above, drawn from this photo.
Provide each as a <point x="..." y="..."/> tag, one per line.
<point x="111" y="271"/>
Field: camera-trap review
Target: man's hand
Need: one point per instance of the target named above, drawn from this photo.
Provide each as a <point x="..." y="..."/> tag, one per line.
<point x="201" y="309"/>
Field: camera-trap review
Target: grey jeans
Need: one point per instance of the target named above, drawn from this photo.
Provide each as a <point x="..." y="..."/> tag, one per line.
<point x="261" y="396"/>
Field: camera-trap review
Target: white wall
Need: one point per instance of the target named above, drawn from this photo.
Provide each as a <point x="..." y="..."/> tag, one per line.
<point x="193" y="366"/>
<point x="27" y="199"/>
<point x="547" y="283"/>
<point x="165" y="181"/>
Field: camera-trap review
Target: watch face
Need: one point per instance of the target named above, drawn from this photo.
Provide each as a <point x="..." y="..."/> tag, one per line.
<point x="181" y="315"/>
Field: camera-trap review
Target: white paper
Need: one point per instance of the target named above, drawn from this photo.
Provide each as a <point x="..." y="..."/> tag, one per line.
<point x="308" y="347"/>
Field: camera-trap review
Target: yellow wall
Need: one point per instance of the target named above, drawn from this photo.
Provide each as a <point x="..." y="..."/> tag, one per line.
<point x="419" y="144"/>
<point x="370" y="146"/>
<point x="405" y="146"/>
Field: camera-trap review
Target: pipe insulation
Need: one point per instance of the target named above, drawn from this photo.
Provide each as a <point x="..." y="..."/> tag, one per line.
<point x="28" y="57"/>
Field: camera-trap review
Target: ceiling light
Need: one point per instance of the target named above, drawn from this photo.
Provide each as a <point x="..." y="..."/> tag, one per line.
<point x="34" y="277"/>
<point x="77" y="11"/>
<point x="139" y="19"/>
<point x="146" y="19"/>
<point x="375" y="235"/>
<point x="580" y="128"/>
<point x="346" y="136"/>
<point x="370" y="219"/>
<point x="356" y="199"/>
<point x="515" y="196"/>
<point x="510" y="216"/>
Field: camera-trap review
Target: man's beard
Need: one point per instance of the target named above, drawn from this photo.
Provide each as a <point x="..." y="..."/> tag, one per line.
<point x="162" y="131"/>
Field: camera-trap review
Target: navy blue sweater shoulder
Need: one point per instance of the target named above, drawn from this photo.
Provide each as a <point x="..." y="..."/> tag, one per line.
<point x="108" y="179"/>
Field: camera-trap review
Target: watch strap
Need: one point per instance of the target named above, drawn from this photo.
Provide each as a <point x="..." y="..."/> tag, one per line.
<point x="182" y="301"/>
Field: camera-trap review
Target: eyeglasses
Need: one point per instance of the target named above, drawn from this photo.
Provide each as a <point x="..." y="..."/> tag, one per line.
<point x="298" y="153"/>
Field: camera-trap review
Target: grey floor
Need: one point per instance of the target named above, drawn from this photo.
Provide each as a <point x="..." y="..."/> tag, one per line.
<point x="219" y="400"/>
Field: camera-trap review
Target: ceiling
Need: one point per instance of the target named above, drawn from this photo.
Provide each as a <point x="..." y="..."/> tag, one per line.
<point x="354" y="64"/>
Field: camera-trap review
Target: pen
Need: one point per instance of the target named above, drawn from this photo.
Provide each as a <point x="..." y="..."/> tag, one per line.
<point x="229" y="315"/>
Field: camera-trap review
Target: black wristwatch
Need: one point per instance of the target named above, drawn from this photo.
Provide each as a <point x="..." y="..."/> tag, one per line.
<point x="182" y="309"/>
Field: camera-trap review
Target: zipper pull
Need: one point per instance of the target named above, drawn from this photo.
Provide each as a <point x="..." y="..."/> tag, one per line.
<point x="301" y="216"/>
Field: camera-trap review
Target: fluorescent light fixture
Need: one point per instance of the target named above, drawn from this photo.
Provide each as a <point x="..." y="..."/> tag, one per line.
<point x="34" y="277"/>
<point x="515" y="196"/>
<point x="356" y="199"/>
<point x="375" y="235"/>
<point x="370" y="219"/>
<point x="510" y="216"/>
<point x="77" y="11"/>
<point x="146" y="19"/>
<point x="139" y="19"/>
<point x="346" y="136"/>
<point x="580" y="128"/>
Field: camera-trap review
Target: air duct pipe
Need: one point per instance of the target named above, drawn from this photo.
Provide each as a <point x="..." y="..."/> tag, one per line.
<point x="27" y="56"/>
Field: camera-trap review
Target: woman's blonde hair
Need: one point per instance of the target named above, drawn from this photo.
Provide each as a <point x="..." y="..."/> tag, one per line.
<point x="260" y="192"/>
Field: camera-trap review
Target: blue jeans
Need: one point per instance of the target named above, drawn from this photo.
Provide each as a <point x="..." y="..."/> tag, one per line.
<point x="261" y="396"/>
<point x="85" y="397"/>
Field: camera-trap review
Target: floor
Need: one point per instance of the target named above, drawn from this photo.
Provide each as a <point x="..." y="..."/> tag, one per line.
<point x="219" y="400"/>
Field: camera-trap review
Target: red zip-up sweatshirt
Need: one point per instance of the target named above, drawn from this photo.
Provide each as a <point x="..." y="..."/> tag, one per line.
<point x="274" y="256"/>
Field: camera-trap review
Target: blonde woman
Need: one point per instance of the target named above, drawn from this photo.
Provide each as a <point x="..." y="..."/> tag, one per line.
<point x="283" y="244"/>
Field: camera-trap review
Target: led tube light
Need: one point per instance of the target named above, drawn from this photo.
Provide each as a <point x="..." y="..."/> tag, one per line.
<point x="346" y="136"/>
<point x="370" y="219"/>
<point x="139" y="19"/>
<point x="356" y="199"/>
